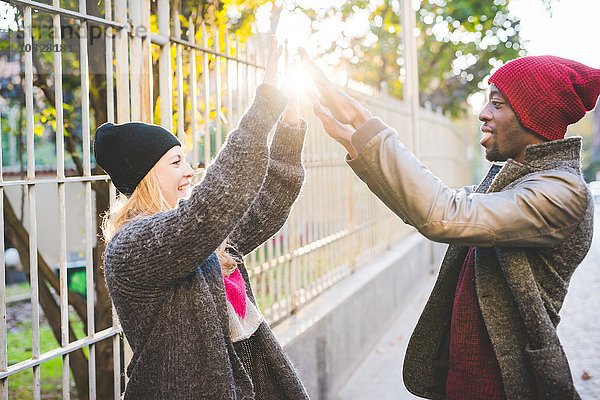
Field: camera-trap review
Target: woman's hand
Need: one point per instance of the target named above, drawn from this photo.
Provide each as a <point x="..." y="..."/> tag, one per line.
<point x="272" y="63"/>
<point x="343" y="107"/>
<point x="291" y="114"/>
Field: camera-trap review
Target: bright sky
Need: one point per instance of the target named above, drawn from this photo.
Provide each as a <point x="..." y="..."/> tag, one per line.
<point x="572" y="31"/>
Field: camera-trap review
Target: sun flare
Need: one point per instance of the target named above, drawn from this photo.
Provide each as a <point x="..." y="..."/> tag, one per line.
<point x="298" y="79"/>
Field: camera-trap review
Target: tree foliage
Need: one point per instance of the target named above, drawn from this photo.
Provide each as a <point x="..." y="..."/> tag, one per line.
<point x="459" y="42"/>
<point x="475" y="36"/>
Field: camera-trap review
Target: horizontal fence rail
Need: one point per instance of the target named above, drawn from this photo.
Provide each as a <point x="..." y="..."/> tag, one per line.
<point x="152" y="64"/>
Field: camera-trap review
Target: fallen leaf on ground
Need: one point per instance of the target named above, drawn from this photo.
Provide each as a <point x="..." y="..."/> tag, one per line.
<point x="585" y="376"/>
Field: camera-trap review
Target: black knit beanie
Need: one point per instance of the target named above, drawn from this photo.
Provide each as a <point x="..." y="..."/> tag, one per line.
<point x="127" y="152"/>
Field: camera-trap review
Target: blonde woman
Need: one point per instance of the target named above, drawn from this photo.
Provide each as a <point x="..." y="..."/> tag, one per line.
<point x="173" y="262"/>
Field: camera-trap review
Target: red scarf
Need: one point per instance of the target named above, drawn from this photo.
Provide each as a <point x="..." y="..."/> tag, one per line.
<point x="235" y="290"/>
<point x="474" y="372"/>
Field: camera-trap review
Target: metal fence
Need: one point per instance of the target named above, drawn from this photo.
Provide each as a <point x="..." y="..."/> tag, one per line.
<point x="156" y="71"/>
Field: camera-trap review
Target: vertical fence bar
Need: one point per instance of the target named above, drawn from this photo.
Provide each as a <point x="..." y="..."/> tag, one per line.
<point x="287" y="271"/>
<point x="253" y="60"/>
<point x="136" y="64"/>
<point x="412" y="74"/>
<point x="29" y="124"/>
<point x="300" y="235"/>
<point x="270" y="276"/>
<point x="251" y="46"/>
<point x="62" y="224"/>
<point x="122" y="64"/>
<point x="206" y="76"/>
<point x="322" y="224"/>
<point x="89" y="267"/>
<point x="164" y="67"/>
<point x="251" y="267"/>
<point x="330" y="199"/>
<point x="193" y="93"/>
<point x="279" y="266"/>
<point x="116" y="340"/>
<point x="239" y="78"/>
<point x="246" y="76"/>
<point x="228" y="69"/>
<point x="58" y="96"/>
<point x="179" y="77"/>
<point x="110" y="86"/>
<point x="3" y="326"/>
<point x="64" y="291"/>
<point x="256" y="61"/>
<point x="33" y="262"/>
<point x="312" y="227"/>
<point x="318" y="222"/>
<point x="146" y="78"/>
<point x="263" y="279"/>
<point x="110" y="107"/>
<point x="218" y="94"/>
<point x="89" y="242"/>
<point x="123" y="97"/>
<point x="294" y="263"/>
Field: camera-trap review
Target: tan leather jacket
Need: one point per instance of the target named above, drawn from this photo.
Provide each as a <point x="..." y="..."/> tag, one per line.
<point x="541" y="212"/>
<point x="531" y="223"/>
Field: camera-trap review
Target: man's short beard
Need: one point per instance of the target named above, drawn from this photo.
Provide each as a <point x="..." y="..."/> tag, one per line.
<point x="493" y="155"/>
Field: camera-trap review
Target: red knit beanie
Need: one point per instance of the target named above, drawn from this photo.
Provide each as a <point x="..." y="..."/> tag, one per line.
<point x="548" y="93"/>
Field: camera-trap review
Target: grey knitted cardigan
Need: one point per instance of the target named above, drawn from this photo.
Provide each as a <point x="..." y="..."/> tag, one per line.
<point x="166" y="282"/>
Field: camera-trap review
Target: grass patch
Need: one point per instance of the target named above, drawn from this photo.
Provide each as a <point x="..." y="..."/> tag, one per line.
<point x="16" y="289"/>
<point x="19" y="349"/>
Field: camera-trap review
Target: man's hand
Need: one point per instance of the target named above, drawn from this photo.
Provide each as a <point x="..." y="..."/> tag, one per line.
<point x="334" y="128"/>
<point x="343" y="107"/>
<point x="272" y="63"/>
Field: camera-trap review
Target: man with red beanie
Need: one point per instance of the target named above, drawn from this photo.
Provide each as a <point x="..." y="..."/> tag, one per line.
<point x="488" y="330"/>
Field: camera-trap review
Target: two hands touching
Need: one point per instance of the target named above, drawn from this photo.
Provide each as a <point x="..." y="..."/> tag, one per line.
<point x="339" y="113"/>
<point x="291" y="114"/>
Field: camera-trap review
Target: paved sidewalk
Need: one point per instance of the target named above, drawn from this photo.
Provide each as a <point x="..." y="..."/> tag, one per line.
<point x="380" y="374"/>
<point x="579" y="329"/>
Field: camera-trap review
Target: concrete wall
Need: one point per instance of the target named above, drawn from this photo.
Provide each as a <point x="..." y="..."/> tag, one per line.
<point x="328" y="338"/>
<point x="47" y="206"/>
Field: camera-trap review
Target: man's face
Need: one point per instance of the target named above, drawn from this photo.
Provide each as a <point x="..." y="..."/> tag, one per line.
<point x="503" y="135"/>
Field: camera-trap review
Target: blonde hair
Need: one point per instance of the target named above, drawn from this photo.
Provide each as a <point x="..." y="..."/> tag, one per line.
<point x="148" y="199"/>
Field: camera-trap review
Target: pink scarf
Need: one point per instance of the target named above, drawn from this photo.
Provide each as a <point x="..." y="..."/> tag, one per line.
<point x="235" y="290"/>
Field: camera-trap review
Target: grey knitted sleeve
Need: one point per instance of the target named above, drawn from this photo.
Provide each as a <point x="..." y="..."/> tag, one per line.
<point x="152" y="252"/>
<point x="271" y="207"/>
